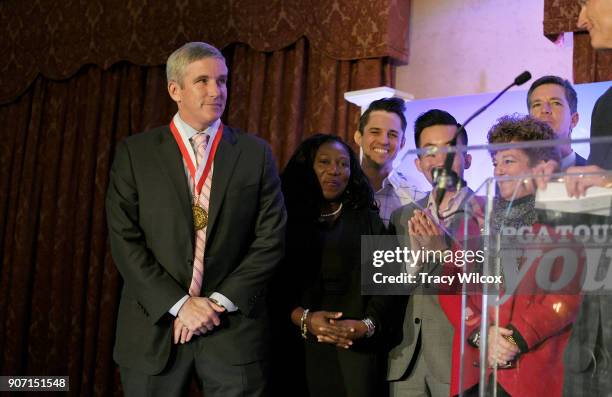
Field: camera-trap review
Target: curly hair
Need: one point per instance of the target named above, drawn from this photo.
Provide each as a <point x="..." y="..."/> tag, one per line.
<point x="518" y="128"/>
<point x="301" y="188"/>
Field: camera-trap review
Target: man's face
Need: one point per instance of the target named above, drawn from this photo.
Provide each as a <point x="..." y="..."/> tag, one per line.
<point x="382" y="138"/>
<point x="549" y="104"/>
<point x="202" y="94"/>
<point x="596" y="17"/>
<point x="439" y="136"/>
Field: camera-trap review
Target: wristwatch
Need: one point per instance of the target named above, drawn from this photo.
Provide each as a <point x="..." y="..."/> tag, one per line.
<point x="216" y="302"/>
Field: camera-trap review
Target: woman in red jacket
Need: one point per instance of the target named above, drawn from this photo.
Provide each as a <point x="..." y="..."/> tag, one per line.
<point x="529" y="327"/>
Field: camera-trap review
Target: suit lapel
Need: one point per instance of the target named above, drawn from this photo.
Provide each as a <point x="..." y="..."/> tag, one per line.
<point x="226" y="159"/>
<point x="171" y="163"/>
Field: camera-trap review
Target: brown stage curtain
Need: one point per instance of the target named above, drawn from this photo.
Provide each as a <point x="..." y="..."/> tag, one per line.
<point x="286" y="96"/>
<point x="589" y="65"/>
<point x="59" y="289"/>
<point x="56" y="38"/>
<point x="58" y="286"/>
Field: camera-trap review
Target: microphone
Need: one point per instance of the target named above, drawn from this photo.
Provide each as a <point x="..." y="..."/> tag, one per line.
<point x="521" y="79"/>
<point x="445" y="177"/>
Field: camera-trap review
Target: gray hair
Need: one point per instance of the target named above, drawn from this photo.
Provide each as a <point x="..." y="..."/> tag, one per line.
<point x="188" y="53"/>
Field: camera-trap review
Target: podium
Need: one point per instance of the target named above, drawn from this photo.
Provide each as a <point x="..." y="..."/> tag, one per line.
<point x="520" y="277"/>
<point x="537" y="309"/>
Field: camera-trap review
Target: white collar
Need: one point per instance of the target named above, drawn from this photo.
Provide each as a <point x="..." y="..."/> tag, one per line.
<point x="568" y="161"/>
<point x="187" y="132"/>
<point x="453" y="204"/>
<point x="394" y="179"/>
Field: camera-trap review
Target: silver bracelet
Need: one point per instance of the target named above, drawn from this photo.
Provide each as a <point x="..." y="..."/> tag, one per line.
<point x="303" y="324"/>
<point x="475" y="340"/>
<point x="371" y="327"/>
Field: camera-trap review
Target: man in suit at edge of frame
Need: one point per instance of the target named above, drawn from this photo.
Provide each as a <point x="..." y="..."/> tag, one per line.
<point x="588" y="360"/>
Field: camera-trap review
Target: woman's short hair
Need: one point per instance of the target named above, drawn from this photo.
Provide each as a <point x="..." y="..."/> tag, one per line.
<point x="519" y="128"/>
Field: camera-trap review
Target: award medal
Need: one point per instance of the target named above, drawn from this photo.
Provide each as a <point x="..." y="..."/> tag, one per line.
<point x="200" y="214"/>
<point x="200" y="217"/>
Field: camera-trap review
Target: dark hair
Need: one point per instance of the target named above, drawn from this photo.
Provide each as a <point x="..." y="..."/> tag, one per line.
<point x="435" y="117"/>
<point x="518" y="128"/>
<point x="391" y="105"/>
<point x="301" y="188"/>
<point x="570" y="92"/>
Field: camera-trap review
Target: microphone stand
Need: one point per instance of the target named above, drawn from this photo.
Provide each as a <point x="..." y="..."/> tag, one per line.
<point x="446" y="176"/>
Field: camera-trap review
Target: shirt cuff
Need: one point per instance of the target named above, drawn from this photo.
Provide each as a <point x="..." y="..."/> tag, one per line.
<point x="177" y="306"/>
<point x="223" y="301"/>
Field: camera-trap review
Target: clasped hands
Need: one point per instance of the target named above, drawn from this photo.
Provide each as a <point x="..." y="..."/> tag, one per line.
<point x="425" y="232"/>
<point x="500" y="350"/>
<point x="197" y="316"/>
<point x="329" y="327"/>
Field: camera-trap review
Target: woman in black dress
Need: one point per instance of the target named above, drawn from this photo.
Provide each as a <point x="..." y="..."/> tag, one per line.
<point x="330" y="205"/>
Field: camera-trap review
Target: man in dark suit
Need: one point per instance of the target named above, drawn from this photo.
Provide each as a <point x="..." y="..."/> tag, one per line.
<point x="554" y="101"/>
<point x="196" y="221"/>
<point x="588" y="357"/>
<point x="421" y="364"/>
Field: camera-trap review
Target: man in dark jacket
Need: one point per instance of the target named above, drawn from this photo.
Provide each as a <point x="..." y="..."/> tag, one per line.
<point x="196" y="221"/>
<point x="588" y="357"/>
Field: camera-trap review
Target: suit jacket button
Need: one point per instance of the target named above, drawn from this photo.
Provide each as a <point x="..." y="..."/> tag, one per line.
<point x="190" y="262"/>
<point x="417" y="320"/>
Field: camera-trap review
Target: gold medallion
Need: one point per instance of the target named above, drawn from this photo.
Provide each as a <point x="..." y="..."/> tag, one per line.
<point x="200" y="217"/>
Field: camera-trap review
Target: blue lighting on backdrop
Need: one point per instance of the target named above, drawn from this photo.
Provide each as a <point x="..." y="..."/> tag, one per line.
<point x="463" y="106"/>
